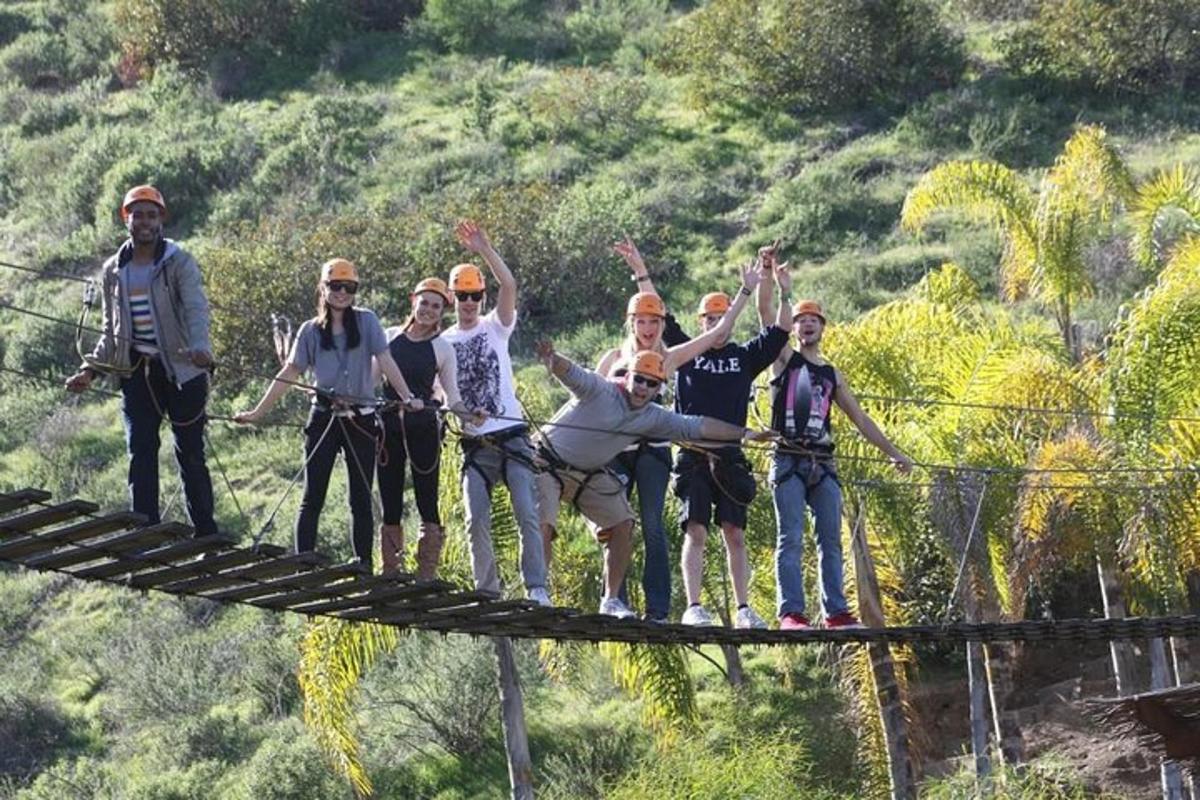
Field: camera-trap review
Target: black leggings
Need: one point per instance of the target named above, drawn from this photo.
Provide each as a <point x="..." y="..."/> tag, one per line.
<point x="355" y="437"/>
<point x="420" y="431"/>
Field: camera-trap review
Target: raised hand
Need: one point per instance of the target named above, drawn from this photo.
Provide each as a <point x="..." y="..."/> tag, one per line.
<point x="751" y="275"/>
<point x="629" y="251"/>
<point x="768" y="254"/>
<point x="472" y="237"/>
<point x="783" y="276"/>
<point x="544" y="348"/>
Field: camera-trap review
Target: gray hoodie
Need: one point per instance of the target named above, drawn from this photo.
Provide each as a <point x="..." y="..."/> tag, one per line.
<point x="181" y="318"/>
<point x="601" y="407"/>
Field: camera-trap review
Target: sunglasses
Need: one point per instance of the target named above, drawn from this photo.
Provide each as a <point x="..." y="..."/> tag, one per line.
<point x="649" y="383"/>
<point x="349" y="287"/>
<point x="474" y="297"/>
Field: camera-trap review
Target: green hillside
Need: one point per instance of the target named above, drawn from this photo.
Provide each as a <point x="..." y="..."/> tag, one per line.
<point x="286" y="132"/>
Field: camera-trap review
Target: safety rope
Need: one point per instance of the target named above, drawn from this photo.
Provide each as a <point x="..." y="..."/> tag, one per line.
<point x="270" y="523"/>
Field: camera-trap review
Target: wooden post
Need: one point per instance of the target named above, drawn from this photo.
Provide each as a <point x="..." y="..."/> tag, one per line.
<point x="883" y="670"/>
<point x="977" y="684"/>
<point x="1160" y="678"/>
<point x="512" y="717"/>
<point x="999" y="657"/>
<point x="1112" y="595"/>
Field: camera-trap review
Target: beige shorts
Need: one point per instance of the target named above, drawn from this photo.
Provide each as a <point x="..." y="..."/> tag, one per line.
<point x="601" y="500"/>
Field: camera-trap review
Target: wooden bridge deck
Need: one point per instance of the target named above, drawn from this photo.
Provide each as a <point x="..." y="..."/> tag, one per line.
<point x="75" y="538"/>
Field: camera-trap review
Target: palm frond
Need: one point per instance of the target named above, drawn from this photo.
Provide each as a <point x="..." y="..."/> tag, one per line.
<point x="334" y="655"/>
<point x="985" y="192"/>
<point x="659" y="676"/>
<point x="1087" y="184"/>
<point x="1151" y="361"/>
<point x="1177" y="188"/>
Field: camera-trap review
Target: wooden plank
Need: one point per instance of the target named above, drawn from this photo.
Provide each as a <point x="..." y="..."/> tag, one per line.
<point x="507" y="612"/>
<point x="290" y="584"/>
<point x="86" y="529"/>
<point x="15" y="501"/>
<point x="204" y="566"/>
<point x="375" y="598"/>
<point x="32" y="520"/>
<point x="264" y="569"/>
<point x="418" y="606"/>
<point x="106" y="549"/>
<point x="355" y="586"/>
<point x="156" y="558"/>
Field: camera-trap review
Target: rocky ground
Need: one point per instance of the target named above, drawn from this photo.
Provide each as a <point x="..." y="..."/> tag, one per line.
<point x="1053" y="683"/>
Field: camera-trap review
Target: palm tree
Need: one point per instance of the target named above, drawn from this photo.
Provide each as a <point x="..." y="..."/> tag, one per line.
<point x="1045" y="235"/>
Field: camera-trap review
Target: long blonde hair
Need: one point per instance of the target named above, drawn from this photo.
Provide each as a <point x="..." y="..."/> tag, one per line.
<point x="630" y="345"/>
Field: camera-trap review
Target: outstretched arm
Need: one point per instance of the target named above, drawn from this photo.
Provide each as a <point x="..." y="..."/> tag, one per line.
<point x="682" y="353"/>
<point x="472" y="237"/>
<point x="849" y="404"/>
<point x="284" y="380"/>
<point x="641" y="276"/>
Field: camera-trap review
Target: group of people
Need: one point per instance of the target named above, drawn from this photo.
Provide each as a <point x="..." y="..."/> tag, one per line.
<point x="379" y="395"/>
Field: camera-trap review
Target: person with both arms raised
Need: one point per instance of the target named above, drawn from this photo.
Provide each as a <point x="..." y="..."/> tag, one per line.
<point x="603" y="418"/>
<point x="715" y="483"/>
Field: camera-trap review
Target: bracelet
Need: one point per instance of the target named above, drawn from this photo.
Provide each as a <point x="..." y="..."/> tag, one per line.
<point x="744" y="292"/>
<point x="640" y="278"/>
<point x="785" y="296"/>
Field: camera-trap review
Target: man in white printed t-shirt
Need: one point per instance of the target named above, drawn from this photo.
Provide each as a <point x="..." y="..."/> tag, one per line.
<point x="498" y="449"/>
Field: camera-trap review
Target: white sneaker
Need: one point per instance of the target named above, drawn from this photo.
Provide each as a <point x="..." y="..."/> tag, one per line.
<point x="539" y="595"/>
<point x="613" y="607"/>
<point x="747" y="617"/>
<point x="697" y="615"/>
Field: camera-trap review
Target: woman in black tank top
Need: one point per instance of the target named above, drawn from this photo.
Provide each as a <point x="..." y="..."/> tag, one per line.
<point x="414" y="439"/>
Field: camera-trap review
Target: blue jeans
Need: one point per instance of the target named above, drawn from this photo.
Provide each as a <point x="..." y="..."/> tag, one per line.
<point x="790" y="482"/>
<point x="146" y="396"/>
<point x="649" y="469"/>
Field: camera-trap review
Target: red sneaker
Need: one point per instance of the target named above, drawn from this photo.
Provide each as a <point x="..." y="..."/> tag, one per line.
<point x="843" y="620"/>
<point x="794" y="622"/>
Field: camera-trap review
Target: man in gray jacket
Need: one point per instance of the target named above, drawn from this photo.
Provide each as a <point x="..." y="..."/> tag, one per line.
<point x="156" y="343"/>
<point x="603" y="418"/>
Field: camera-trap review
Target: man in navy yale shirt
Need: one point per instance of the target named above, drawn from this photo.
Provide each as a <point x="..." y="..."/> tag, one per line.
<point x="718" y="478"/>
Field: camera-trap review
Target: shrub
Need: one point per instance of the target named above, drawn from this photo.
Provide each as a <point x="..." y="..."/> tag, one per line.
<point x="796" y="55"/>
<point x="37" y="59"/>
<point x="12" y="25"/>
<point x="192" y="32"/>
<point x="1107" y="45"/>
<point x="599" y="27"/>
<point x="31" y="735"/>
<point x="71" y="41"/>
<point x="494" y="26"/>
<point x="602" y="111"/>
<point x="286" y="766"/>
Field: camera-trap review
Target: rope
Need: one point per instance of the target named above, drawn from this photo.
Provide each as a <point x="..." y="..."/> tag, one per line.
<point x="962" y="564"/>
<point x="270" y="523"/>
<point x="228" y="484"/>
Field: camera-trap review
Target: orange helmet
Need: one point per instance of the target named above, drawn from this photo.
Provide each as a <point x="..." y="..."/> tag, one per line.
<point x="713" y="303"/>
<point x="142" y="193"/>
<point x="808" y="307"/>
<point x="466" y="278"/>
<point x="650" y="364"/>
<point x="436" y="285"/>
<point x="646" y="303"/>
<point x="339" y="269"/>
